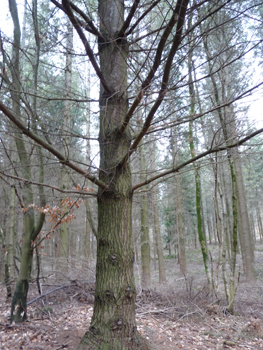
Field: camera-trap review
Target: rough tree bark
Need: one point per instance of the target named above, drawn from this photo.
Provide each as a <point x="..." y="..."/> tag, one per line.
<point x="113" y="323"/>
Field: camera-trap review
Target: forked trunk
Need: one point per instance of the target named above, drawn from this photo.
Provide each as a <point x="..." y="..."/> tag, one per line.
<point x="113" y="323"/>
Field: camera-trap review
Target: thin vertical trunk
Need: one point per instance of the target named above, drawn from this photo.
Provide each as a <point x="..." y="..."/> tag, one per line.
<point x="218" y="227"/>
<point x="252" y="227"/>
<point x="159" y="245"/>
<point x="12" y="229"/>
<point x="227" y="121"/>
<point x="156" y="229"/>
<point x="30" y="231"/>
<point x="63" y="250"/>
<point x="87" y="229"/>
<point x="201" y="236"/>
<point x="145" y="238"/>
<point x="259" y="222"/>
<point x="226" y="216"/>
<point x="179" y="212"/>
<point x="42" y="198"/>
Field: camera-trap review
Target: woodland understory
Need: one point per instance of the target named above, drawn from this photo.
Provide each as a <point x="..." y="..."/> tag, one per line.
<point x="180" y="314"/>
<point x="131" y="188"/>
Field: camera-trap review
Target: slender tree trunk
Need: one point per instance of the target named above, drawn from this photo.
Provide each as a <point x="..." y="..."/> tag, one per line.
<point x="63" y="251"/>
<point x="42" y="198"/>
<point x="145" y="238"/>
<point x="156" y="222"/>
<point x="88" y="215"/>
<point x="12" y="231"/>
<point x="179" y="212"/>
<point x="259" y="222"/>
<point x="159" y="245"/>
<point x="252" y="227"/>
<point x="201" y="236"/>
<point x="30" y="232"/>
<point x="227" y="120"/>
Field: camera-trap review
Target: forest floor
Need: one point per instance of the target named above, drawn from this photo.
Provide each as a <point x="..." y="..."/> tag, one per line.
<point x="180" y="314"/>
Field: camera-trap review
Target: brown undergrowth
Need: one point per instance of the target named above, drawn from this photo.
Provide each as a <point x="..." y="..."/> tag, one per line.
<point x="181" y="314"/>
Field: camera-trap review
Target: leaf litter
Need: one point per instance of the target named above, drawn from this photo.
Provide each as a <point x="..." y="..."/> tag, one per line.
<point x="179" y="314"/>
<point x="60" y="322"/>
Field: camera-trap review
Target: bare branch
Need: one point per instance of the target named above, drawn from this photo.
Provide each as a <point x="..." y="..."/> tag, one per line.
<point x="50" y="148"/>
<point x="188" y="118"/>
<point x="199" y="156"/>
<point x="128" y="19"/>
<point x="86" y="19"/>
<point x="90" y="28"/>
<point x="156" y="64"/>
<point x="142" y="16"/>
<point x="86" y="44"/>
<point x="54" y="188"/>
<point x="180" y="15"/>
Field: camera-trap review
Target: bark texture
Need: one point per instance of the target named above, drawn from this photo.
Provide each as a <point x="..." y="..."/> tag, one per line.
<point x="113" y="323"/>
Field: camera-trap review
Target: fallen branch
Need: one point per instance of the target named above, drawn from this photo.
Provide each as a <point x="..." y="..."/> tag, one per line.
<point x="49" y="292"/>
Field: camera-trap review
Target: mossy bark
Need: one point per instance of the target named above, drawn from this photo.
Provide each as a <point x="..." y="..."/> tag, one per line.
<point x="201" y="235"/>
<point x="30" y="231"/>
<point x="227" y="120"/>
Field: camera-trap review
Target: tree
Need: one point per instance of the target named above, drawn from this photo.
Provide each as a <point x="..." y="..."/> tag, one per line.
<point x="63" y="251"/>
<point x="30" y="229"/>
<point x="113" y="323"/>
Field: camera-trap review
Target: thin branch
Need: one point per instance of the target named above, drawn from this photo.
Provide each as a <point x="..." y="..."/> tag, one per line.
<point x="86" y="19"/>
<point x="50" y="148"/>
<point x="45" y="294"/>
<point x="201" y="155"/>
<point x="128" y="19"/>
<point x="54" y="188"/>
<point x="180" y="17"/>
<point x="157" y="61"/>
<point x="188" y="118"/>
<point x="92" y="29"/>
<point x="142" y="16"/>
<point x="86" y="44"/>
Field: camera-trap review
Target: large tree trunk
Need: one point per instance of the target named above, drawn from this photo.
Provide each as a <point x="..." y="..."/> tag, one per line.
<point x="113" y="323"/>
